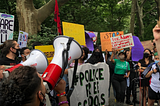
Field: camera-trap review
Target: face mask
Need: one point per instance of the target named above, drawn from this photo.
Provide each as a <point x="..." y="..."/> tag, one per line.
<point x="156" y="61"/>
<point x="17" y="52"/>
<point x="146" y="55"/>
<point x="26" y="57"/>
<point x="121" y="57"/>
<point x="152" y="57"/>
<point x="110" y="53"/>
<point x="97" y="53"/>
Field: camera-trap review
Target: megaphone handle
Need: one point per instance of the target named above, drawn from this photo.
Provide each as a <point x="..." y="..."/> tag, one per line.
<point x="73" y="79"/>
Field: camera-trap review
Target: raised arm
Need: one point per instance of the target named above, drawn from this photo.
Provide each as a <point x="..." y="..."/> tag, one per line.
<point x="113" y="53"/>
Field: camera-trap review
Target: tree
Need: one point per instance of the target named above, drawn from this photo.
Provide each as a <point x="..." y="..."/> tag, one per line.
<point x="132" y="21"/>
<point x="31" y="18"/>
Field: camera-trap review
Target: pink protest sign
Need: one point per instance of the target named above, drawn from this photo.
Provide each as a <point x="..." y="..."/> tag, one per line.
<point x="122" y="41"/>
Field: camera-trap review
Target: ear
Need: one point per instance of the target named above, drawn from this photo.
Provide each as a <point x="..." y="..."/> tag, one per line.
<point x="40" y="96"/>
<point x="11" y="49"/>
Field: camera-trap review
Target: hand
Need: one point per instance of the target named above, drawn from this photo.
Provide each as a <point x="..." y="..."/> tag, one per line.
<point x="130" y="48"/>
<point x="106" y="51"/>
<point x="154" y="71"/>
<point x="156" y="32"/>
<point x="126" y="76"/>
<point x="1" y="71"/>
<point x="114" y="51"/>
<point x="60" y="88"/>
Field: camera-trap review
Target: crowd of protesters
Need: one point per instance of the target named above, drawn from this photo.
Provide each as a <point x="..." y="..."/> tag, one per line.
<point x="24" y="86"/>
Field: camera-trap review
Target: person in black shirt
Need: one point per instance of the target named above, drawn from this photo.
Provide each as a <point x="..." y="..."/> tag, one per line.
<point x="9" y="52"/>
<point x="144" y="83"/>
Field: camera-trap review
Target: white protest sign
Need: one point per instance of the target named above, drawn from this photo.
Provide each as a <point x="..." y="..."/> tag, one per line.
<point x="6" y="27"/>
<point x="22" y="39"/>
<point x="122" y="41"/>
<point x="91" y="85"/>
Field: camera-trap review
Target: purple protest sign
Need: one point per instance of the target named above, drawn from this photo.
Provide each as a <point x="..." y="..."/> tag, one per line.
<point x="137" y="49"/>
<point x="89" y="41"/>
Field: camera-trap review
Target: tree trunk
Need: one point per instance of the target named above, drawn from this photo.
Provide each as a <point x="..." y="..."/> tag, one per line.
<point x="140" y="18"/>
<point x="132" y="21"/>
<point x="30" y="18"/>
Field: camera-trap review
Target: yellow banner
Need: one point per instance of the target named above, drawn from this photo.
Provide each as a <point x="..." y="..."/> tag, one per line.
<point x="74" y="30"/>
<point x="106" y="41"/>
<point x="48" y="50"/>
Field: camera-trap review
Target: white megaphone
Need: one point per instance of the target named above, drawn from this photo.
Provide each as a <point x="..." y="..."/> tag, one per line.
<point x="53" y="71"/>
<point x="36" y="59"/>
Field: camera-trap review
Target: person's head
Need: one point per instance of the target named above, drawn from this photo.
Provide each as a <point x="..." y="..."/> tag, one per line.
<point x="156" y="57"/>
<point x="121" y="55"/>
<point x="147" y="53"/>
<point x="24" y="86"/>
<point x="24" y="52"/>
<point x="10" y="47"/>
<point x="97" y="52"/>
<point x="85" y="53"/>
<point x="155" y="49"/>
<point x="36" y="44"/>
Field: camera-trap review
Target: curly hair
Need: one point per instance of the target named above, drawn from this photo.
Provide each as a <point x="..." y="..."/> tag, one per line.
<point x="20" y="87"/>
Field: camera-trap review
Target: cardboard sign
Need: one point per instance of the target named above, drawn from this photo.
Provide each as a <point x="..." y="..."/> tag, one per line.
<point x="74" y="30"/>
<point x="122" y="41"/>
<point x="105" y="39"/>
<point x="91" y="85"/>
<point x="147" y="44"/>
<point x="6" y="27"/>
<point x="48" y="50"/>
<point x="22" y="39"/>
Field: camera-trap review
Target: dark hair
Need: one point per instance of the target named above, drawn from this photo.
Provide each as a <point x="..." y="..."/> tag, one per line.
<point x="94" y="59"/>
<point x="5" y="47"/>
<point x="36" y="44"/>
<point x="22" y="50"/>
<point x="150" y="57"/>
<point x="20" y="87"/>
<point x="86" y="51"/>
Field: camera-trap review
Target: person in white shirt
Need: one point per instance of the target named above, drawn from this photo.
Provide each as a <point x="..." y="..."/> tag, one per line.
<point x="154" y="86"/>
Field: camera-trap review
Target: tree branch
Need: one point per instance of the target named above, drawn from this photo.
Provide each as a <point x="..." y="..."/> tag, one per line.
<point x="148" y="12"/>
<point x="143" y="3"/>
<point x="47" y="9"/>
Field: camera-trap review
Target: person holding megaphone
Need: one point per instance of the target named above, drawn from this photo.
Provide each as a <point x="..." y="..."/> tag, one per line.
<point x="24" y="87"/>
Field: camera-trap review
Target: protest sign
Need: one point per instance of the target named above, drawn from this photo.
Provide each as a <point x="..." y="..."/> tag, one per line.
<point x="6" y="27"/>
<point x="105" y="39"/>
<point x="137" y="49"/>
<point x="91" y="85"/>
<point x="22" y="39"/>
<point x="89" y="41"/>
<point x="94" y="38"/>
<point x="48" y="50"/>
<point x="147" y="44"/>
<point x="74" y="30"/>
<point x="122" y="41"/>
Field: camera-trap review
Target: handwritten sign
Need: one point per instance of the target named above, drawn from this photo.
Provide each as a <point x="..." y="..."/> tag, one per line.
<point x="22" y="39"/>
<point x="122" y="41"/>
<point x="74" y="30"/>
<point x="48" y="50"/>
<point x="105" y="39"/>
<point x="6" y="27"/>
<point x="92" y="80"/>
<point x="147" y="44"/>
